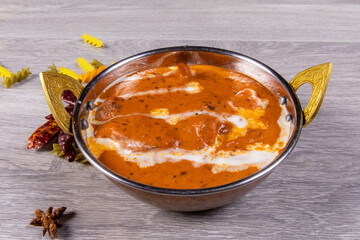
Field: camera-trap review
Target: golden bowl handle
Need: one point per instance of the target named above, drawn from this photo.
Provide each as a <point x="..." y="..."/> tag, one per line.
<point x="318" y="77"/>
<point x="54" y="84"/>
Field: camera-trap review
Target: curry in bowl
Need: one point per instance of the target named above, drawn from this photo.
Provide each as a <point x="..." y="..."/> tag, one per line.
<point x="187" y="127"/>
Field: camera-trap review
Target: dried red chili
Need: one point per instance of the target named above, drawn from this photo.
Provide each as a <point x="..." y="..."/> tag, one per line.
<point x="47" y="131"/>
<point x="68" y="97"/>
<point x="69" y="109"/>
<point x="43" y="135"/>
<point x="65" y="141"/>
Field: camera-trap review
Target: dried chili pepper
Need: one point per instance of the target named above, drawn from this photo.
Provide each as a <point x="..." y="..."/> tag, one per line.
<point x="65" y="141"/>
<point x="43" y="135"/>
<point x="48" y="130"/>
<point x="69" y="109"/>
<point x="49" y="220"/>
<point x="68" y="97"/>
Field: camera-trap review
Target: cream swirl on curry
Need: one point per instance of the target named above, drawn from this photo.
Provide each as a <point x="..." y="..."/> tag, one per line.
<point x="187" y="127"/>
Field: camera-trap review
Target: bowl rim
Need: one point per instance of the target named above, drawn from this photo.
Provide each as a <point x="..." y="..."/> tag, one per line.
<point x="298" y="121"/>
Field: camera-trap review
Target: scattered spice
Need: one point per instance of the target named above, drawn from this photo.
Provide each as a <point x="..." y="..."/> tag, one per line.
<point x="43" y="135"/>
<point x="65" y="141"/>
<point x="69" y="109"/>
<point x="49" y="220"/>
<point x="59" y="152"/>
<point x="68" y="97"/>
<point x="66" y="146"/>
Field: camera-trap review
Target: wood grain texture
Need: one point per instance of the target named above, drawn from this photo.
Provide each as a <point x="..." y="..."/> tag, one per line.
<point x="314" y="194"/>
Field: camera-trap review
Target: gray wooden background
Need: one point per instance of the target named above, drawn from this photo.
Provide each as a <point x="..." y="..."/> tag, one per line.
<point x="314" y="194"/>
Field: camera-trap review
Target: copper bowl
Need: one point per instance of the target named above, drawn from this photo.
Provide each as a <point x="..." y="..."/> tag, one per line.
<point x="213" y="197"/>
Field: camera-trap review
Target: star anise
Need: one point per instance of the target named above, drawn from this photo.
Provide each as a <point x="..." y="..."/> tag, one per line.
<point x="48" y="220"/>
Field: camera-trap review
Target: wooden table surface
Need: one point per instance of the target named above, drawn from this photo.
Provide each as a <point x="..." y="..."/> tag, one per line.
<point x="313" y="194"/>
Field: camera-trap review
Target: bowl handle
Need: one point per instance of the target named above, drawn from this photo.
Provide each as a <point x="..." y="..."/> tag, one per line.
<point x="318" y="77"/>
<point x="54" y="84"/>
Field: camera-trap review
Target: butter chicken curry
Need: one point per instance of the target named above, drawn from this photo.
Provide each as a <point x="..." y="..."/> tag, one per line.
<point x="187" y="127"/>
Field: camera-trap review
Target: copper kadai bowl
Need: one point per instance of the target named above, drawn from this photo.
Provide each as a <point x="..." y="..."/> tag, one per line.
<point x="191" y="199"/>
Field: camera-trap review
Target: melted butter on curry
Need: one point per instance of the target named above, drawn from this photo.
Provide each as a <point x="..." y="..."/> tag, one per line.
<point x="187" y="127"/>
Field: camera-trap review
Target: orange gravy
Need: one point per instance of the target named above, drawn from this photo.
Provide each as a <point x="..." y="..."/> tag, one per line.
<point x="186" y="127"/>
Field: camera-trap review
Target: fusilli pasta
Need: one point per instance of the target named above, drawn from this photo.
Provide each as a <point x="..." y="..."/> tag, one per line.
<point x="96" y="63"/>
<point x="13" y="78"/>
<point x="52" y="68"/>
<point x="68" y="72"/>
<point x="4" y="73"/>
<point x="86" y="77"/>
<point x="84" y="64"/>
<point x="92" y="40"/>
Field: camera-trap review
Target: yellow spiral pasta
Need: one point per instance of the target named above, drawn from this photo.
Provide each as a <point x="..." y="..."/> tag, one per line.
<point x="52" y="68"/>
<point x="11" y="78"/>
<point x="85" y="65"/>
<point x="57" y="150"/>
<point x="68" y="72"/>
<point x="96" y="63"/>
<point x="86" y="77"/>
<point x="92" y="40"/>
<point x="4" y="73"/>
